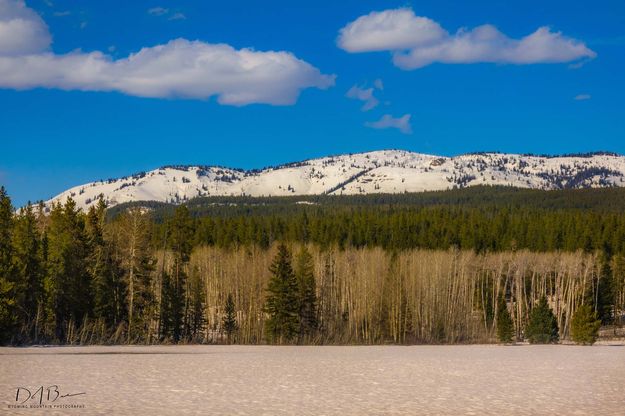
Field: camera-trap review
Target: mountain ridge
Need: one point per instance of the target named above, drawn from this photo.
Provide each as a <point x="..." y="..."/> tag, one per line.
<point x="380" y="171"/>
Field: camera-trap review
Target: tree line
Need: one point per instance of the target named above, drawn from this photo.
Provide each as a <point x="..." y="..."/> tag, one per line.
<point x="479" y="229"/>
<point x="74" y="277"/>
<point x="484" y="219"/>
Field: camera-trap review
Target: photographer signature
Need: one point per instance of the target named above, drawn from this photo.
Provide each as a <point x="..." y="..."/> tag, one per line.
<point x="43" y="394"/>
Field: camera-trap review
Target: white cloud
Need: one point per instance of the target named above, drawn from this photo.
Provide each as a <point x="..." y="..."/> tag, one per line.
<point x="378" y="84"/>
<point x="389" y="122"/>
<point x="177" y="69"/>
<point x="177" y="16"/>
<point x="365" y="95"/>
<point x="418" y="41"/>
<point x="487" y="44"/>
<point x="389" y="30"/>
<point x="62" y="14"/>
<point x="21" y="29"/>
<point x="582" y="97"/>
<point x="158" y="11"/>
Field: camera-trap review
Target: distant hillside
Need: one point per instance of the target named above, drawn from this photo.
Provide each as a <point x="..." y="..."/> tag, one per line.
<point x="379" y="172"/>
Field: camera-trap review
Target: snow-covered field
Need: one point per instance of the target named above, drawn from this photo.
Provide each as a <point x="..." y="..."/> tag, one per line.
<point x="262" y="380"/>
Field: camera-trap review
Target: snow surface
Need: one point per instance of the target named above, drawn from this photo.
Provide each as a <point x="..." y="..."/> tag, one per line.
<point x="364" y="380"/>
<point x="386" y="171"/>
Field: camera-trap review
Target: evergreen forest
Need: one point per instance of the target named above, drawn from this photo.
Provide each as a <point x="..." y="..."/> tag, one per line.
<point x="481" y="264"/>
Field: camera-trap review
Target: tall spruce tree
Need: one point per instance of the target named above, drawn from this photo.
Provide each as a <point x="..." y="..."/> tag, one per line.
<point x="68" y="288"/>
<point x="603" y="289"/>
<point x="179" y="239"/>
<point x="505" y="329"/>
<point x="170" y="305"/>
<point x="282" y="305"/>
<point x="107" y="286"/>
<point x="195" y="320"/>
<point x="307" y="294"/>
<point x="543" y="326"/>
<point x="229" y="320"/>
<point x="585" y="325"/>
<point x="29" y="272"/>
<point x="8" y="286"/>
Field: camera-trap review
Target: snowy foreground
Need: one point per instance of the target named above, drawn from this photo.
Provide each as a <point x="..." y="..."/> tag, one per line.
<point x="261" y="380"/>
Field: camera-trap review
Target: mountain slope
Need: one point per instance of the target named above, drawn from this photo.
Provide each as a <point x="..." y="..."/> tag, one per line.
<point x="386" y="171"/>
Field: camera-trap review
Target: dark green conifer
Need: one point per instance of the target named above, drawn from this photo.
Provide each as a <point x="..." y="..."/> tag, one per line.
<point x="179" y="239"/>
<point x="229" y="321"/>
<point x="585" y="325"/>
<point x="602" y="294"/>
<point x="170" y="306"/>
<point x="307" y="294"/>
<point x="68" y="285"/>
<point x="282" y="305"/>
<point x="194" y="320"/>
<point x="542" y="327"/>
<point x="8" y="301"/>
<point x="505" y="329"/>
<point x="29" y="271"/>
<point x="107" y="287"/>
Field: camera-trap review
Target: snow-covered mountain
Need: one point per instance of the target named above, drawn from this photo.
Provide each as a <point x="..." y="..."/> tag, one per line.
<point x="385" y="171"/>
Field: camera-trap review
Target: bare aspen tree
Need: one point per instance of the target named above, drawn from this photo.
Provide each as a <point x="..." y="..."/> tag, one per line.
<point x="366" y="295"/>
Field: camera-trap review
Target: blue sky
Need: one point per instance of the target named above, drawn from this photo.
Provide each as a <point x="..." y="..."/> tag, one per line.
<point x="67" y="122"/>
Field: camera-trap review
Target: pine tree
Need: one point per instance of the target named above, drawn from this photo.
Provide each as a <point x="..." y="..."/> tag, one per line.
<point x="585" y="325"/>
<point x="603" y="290"/>
<point x="179" y="233"/>
<point x="7" y="284"/>
<point x="195" y="311"/>
<point x="229" y="320"/>
<point x="542" y="327"/>
<point x="107" y="287"/>
<point x="172" y="305"/>
<point x="505" y="329"/>
<point x="282" y="300"/>
<point x="68" y="286"/>
<point x="307" y="294"/>
<point x="29" y="273"/>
